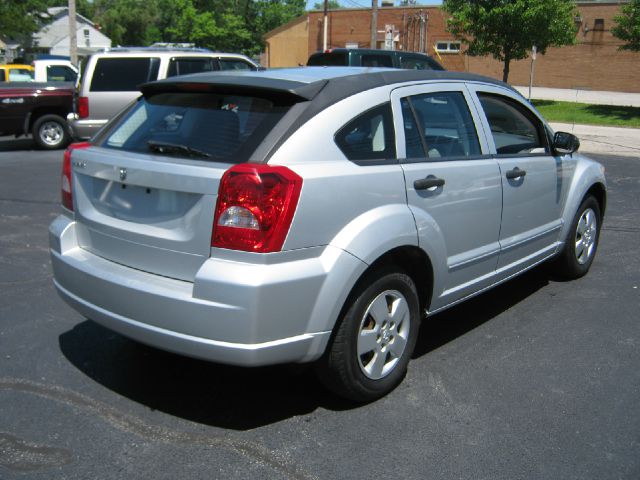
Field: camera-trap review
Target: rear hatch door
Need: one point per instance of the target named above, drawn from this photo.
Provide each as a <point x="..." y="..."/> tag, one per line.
<point x="145" y="195"/>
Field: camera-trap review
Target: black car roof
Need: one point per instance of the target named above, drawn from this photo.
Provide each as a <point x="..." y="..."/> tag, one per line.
<point x="312" y="88"/>
<point x="319" y="84"/>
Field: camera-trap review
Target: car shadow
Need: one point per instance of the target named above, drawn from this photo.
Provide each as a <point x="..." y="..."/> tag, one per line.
<point x="246" y="398"/>
<point x="12" y="144"/>
<point x="442" y="328"/>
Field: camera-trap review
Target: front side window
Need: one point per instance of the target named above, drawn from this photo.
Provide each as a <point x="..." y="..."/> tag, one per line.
<point x="369" y="136"/>
<point x="439" y="126"/>
<point x="418" y="63"/>
<point x="515" y="130"/>
<point x="123" y="74"/>
<point x="231" y="64"/>
<point x="185" y="66"/>
<point x="376" y="61"/>
<point x="329" y="59"/>
<point x="205" y="126"/>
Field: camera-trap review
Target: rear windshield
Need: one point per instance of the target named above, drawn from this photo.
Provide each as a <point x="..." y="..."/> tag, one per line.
<point x="206" y="126"/>
<point x="333" y="59"/>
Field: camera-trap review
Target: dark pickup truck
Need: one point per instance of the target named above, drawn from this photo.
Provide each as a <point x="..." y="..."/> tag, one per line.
<point x="37" y="108"/>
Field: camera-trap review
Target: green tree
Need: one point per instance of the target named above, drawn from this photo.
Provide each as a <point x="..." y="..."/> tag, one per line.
<point x="331" y="5"/>
<point x="507" y="29"/>
<point x="628" y="26"/>
<point x="20" y="19"/>
<point x="226" y="25"/>
<point x="128" y="22"/>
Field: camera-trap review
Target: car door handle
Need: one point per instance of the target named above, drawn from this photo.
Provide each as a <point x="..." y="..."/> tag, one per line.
<point x="516" y="173"/>
<point x="429" y="182"/>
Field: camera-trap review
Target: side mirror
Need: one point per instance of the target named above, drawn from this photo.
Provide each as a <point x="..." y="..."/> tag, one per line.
<point x="565" y="143"/>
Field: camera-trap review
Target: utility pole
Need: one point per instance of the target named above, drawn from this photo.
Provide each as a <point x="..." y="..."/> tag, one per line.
<point x="73" y="39"/>
<point x="534" y="50"/>
<point x="325" y="26"/>
<point x="374" y="22"/>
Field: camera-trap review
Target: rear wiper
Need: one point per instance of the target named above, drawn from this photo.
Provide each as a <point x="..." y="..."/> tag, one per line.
<point x="165" y="147"/>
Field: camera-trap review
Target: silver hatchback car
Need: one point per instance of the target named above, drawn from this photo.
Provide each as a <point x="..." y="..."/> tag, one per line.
<point x="316" y="214"/>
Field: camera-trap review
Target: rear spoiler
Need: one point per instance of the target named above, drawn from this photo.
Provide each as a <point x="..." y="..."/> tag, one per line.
<point x="289" y="90"/>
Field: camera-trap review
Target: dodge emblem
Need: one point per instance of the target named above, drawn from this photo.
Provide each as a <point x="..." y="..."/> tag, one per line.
<point x="123" y="174"/>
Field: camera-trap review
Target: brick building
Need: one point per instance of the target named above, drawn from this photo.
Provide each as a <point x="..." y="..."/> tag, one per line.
<point x="594" y="63"/>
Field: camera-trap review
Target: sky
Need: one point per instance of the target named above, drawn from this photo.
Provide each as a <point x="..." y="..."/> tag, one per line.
<point x="367" y="3"/>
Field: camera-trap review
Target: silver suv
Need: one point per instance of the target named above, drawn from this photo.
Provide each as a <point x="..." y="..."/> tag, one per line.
<point x="111" y="79"/>
<point x="316" y="215"/>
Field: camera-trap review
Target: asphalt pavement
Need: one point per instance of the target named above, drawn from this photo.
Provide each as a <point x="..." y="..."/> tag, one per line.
<point x="536" y="379"/>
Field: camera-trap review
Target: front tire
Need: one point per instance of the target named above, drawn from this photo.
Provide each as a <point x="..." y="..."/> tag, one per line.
<point x="581" y="243"/>
<point x="374" y="340"/>
<point x="51" y="132"/>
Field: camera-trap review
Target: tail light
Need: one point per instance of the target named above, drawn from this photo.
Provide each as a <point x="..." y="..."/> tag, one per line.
<point x="83" y="107"/>
<point x="67" y="194"/>
<point x="255" y="207"/>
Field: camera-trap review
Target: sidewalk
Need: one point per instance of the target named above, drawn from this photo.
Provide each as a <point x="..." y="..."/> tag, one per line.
<point x="594" y="97"/>
<point x="594" y="139"/>
<point x="604" y="140"/>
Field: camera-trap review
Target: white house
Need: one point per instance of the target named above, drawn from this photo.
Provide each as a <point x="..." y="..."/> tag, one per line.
<point x="54" y="37"/>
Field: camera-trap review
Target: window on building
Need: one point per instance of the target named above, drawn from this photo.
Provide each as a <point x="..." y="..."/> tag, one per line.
<point x="448" y="47"/>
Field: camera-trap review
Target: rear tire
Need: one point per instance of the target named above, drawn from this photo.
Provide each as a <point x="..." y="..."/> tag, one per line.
<point x="581" y="243"/>
<point x="51" y="132"/>
<point x="374" y="340"/>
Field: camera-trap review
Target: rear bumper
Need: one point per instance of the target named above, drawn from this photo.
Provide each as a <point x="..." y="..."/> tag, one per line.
<point x="84" y="129"/>
<point x="234" y="312"/>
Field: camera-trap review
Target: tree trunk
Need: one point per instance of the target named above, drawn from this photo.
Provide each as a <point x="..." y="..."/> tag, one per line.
<point x="505" y="70"/>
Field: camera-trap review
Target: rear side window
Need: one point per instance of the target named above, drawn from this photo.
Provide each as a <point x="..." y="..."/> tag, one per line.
<point x="369" y="136"/>
<point x="60" y="73"/>
<point x="376" y="61"/>
<point x="2" y="76"/>
<point x="334" y="59"/>
<point x="185" y="66"/>
<point x="205" y="126"/>
<point x="441" y="125"/>
<point x="123" y="74"/>
<point x="20" y="75"/>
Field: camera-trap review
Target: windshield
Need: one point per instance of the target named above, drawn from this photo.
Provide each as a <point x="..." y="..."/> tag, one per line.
<point x="206" y="126"/>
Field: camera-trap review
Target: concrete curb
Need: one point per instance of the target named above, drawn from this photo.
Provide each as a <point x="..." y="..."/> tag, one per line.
<point x="594" y="97"/>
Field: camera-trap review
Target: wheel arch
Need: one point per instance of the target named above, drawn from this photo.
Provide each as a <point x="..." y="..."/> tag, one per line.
<point x="41" y="112"/>
<point x="414" y="262"/>
<point x="599" y="192"/>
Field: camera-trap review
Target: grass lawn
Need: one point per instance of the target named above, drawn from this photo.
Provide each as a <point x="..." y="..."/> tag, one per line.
<point x="586" y="114"/>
